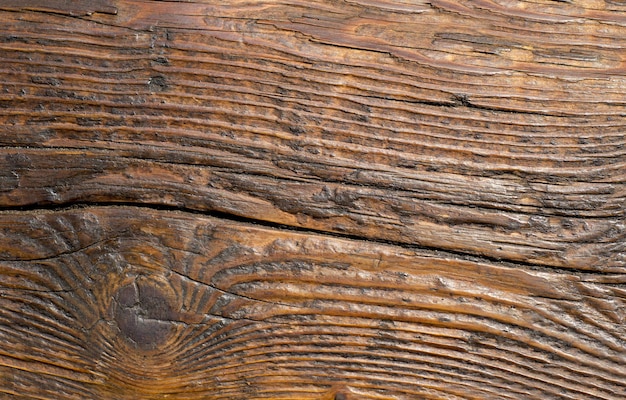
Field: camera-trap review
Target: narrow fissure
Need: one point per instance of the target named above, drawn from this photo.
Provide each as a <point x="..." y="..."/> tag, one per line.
<point x="438" y="252"/>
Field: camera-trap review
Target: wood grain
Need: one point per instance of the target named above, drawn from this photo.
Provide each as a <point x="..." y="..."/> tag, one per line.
<point x="119" y="302"/>
<point x="322" y="199"/>
<point x="444" y="125"/>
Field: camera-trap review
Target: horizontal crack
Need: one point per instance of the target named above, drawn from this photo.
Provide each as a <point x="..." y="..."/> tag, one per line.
<point x="223" y="291"/>
<point x="438" y="252"/>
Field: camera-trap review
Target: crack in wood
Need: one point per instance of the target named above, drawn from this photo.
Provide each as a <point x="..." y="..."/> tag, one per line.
<point x="439" y="252"/>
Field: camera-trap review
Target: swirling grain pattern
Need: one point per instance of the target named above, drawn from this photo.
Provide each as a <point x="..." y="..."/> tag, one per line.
<point x="119" y="302"/>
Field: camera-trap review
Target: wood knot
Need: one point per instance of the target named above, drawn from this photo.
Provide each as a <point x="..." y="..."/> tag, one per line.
<point x="143" y="313"/>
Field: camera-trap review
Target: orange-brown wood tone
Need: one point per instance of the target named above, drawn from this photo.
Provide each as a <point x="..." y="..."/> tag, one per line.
<point x="328" y="199"/>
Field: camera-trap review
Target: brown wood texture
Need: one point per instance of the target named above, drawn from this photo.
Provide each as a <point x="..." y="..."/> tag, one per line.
<point x="330" y="199"/>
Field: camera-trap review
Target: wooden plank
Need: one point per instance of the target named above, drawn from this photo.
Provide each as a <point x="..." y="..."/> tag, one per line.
<point x="322" y="199"/>
<point x="121" y="302"/>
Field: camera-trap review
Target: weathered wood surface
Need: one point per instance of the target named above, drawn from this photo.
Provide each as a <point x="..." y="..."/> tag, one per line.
<point x="313" y="200"/>
<point x="115" y="302"/>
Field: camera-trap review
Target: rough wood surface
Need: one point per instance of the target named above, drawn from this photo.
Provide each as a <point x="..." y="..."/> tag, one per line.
<point x="325" y="200"/>
<point x="116" y="302"/>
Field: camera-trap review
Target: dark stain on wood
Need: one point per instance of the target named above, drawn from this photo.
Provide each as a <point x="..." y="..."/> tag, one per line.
<point x="143" y="314"/>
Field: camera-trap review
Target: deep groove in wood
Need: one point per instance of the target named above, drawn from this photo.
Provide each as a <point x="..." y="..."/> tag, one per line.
<point x="271" y="225"/>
